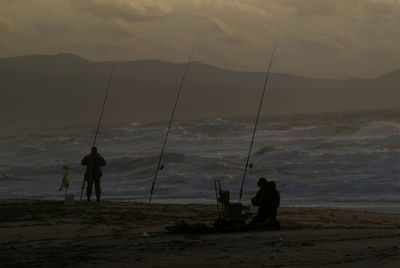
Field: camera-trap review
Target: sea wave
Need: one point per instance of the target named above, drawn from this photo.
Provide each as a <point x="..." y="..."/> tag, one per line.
<point x="329" y="158"/>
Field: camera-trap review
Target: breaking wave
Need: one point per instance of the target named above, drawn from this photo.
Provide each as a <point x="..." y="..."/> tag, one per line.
<point x="325" y="160"/>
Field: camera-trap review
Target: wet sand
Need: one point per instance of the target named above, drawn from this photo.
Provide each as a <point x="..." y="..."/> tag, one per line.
<point x="116" y="234"/>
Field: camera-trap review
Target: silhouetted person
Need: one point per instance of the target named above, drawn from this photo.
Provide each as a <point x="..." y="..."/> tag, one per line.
<point x="267" y="200"/>
<point x="274" y="199"/>
<point x="93" y="162"/>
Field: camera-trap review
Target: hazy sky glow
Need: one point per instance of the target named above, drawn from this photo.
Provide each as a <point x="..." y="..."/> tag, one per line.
<point x="318" y="38"/>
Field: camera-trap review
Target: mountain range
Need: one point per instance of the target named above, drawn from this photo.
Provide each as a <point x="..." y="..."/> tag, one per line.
<point x="65" y="89"/>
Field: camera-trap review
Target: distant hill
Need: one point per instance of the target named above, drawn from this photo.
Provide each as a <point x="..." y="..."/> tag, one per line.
<point x="67" y="89"/>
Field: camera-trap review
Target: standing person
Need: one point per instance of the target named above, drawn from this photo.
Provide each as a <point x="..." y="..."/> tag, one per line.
<point x="93" y="162"/>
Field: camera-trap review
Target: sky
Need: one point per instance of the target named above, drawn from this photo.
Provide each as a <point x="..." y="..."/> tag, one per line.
<point x="317" y="38"/>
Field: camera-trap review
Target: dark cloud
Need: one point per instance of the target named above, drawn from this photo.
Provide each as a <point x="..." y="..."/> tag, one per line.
<point x="138" y="10"/>
<point x="6" y="26"/>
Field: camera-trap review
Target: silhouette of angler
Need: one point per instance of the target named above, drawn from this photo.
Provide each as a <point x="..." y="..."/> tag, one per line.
<point x="267" y="200"/>
<point x="274" y="199"/>
<point x="93" y="162"/>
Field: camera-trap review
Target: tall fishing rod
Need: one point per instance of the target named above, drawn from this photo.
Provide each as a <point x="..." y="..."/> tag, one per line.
<point x="169" y="125"/>
<point x="104" y="103"/>
<point x="255" y="125"/>
<point x="101" y="116"/>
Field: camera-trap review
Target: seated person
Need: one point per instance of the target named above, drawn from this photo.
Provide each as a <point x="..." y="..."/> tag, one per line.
<point x="267" y="200"/>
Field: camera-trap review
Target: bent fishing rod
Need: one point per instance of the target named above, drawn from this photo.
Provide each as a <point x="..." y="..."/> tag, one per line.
<point x="101" y="115"/>
<point x="256" y="123"/>
<point x="159" y="166"/>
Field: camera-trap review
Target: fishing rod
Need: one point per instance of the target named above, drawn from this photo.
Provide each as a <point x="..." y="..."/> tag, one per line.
<point x="104" y="103"/>
<point x="101" y="116"/>
<point x="255" y="125"/>
<point x="159" y="166"/>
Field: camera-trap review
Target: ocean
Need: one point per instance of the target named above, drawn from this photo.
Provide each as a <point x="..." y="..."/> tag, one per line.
<point x="343" y="160"/>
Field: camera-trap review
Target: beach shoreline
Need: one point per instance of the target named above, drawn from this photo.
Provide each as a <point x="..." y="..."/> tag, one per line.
<point x="48" y="233"/>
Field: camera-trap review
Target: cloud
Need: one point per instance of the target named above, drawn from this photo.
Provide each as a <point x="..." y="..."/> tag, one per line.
<point x="6" y="27"/>
<point x="13" y="1"/>
<point x="245" y="6"/>
<point x="227" y="33"/>
<point x="117" y="28"/>
<point x="3" y="44"/>
<point x="217" y="25"/>
<point x="321" y="46"/>
<point x="381" y="7"/>
<point x="132" y="11"/>
<point x="308" y="8"/>
<point x="52" y="29"/>
<point x="230" y="33"/>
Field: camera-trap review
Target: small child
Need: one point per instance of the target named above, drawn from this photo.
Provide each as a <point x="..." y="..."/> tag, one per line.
<point x="65" y="180"/>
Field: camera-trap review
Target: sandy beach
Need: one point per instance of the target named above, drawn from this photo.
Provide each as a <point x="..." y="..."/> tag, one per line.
<point x="126" y="234"/>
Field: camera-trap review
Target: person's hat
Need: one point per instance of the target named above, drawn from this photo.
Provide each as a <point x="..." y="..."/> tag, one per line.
<point x="94" y="149"/>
